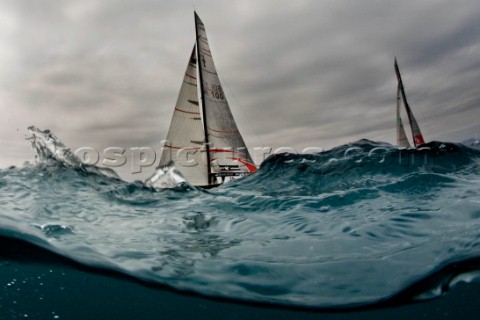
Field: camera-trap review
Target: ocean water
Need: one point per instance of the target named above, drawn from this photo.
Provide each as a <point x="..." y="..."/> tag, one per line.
<point x="365" y="230"/>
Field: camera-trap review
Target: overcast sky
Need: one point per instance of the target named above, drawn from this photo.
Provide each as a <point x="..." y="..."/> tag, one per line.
<point x="303" y="73"/>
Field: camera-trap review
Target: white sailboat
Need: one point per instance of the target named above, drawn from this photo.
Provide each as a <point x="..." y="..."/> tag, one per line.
<point x="203" y="141"/>
<point x="402" y="140"/>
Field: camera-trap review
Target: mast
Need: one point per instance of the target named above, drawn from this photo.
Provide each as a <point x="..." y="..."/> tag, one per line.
<point x="402" y="90"/>
<point x="202" y="101"/>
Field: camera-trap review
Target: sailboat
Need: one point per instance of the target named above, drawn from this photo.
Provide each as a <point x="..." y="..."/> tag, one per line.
<point x="402" y="140"/>
<point x="203" y="142"/>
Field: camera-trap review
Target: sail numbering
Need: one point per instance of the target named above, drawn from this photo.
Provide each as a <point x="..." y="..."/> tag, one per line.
<point x="203" y="142"/>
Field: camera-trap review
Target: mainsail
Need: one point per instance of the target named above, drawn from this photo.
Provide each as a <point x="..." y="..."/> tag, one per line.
<point x="227" y="151"/>
<point x="416" y="133"/>
<point x="203" y="141"/>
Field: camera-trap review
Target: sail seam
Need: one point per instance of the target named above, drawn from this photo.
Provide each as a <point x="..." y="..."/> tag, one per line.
<point x="214" y="73"/>
<point x="184" y="148"/>
<point x="184" y="111"/>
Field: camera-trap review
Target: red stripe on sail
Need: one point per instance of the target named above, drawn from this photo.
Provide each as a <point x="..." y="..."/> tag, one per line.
<point x="250" y="166"/>
<point x="225" y="151"/>
<point x="221" y="131"/>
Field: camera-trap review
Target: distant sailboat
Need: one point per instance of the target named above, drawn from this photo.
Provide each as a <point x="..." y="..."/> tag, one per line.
<point x="203" y="141"/>
<point x="402" y="140"/>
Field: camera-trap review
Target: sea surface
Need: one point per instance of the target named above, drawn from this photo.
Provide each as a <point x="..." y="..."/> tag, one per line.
<point x="362" y="231"/>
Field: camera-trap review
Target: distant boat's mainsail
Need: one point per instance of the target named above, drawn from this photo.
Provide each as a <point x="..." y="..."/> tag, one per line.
<point x="416" y="133"/>
<point x="203" y="141"/>
<point x="402" y="140"/>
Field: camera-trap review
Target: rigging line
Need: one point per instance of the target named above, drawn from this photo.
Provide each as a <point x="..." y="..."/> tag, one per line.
<point x="232" y="94"/>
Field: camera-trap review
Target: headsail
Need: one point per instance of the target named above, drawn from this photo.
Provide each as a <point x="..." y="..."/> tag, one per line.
<point x="416" y="133"/>
<point x="184" y="145"/>
<point x="227" y="151"/>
